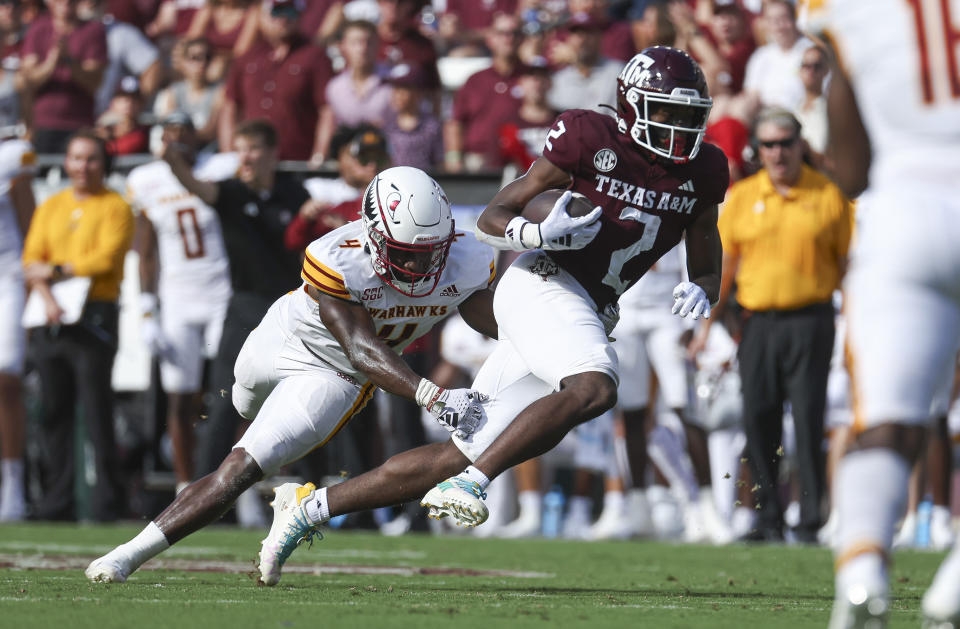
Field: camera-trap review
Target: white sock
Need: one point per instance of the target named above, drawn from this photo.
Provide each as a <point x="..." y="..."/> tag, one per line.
<point x="12" y="472"/>
<point x="529" y="504"/>
<point x="149" y="543"/>
<point x="940" y="516"/>
<point x="317" y="508"/>
<point x="614" y="501"/>
<point x="871" y="494"/>
<point x="580" y="507"/>
<point x="476" y="476"/>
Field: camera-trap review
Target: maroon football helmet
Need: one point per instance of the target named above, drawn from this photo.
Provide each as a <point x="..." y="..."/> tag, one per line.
<point x="662" y="102"/>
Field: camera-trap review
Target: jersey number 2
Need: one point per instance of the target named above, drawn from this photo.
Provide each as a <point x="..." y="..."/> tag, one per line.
<point x="190" y="233"/>
<point x="619" y="258"/>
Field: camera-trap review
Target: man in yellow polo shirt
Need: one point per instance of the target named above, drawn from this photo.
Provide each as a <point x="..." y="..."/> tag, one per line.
<point x="84" y="230"/>
<point x="785" y="234"/>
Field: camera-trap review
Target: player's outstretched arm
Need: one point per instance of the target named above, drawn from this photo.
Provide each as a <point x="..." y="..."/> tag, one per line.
<point x="511" y="199"/>
<point x="704" y="266"/>
<point x="206" y="191"/>
<point x="848" y="146"/>
<point x="477" y="311"/>
<point x="457" y="410"/>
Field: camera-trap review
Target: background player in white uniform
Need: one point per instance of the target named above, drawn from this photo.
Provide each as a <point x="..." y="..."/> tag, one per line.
<point x="370" y="288"/>
<point x="648" y="339"/>
<point x="184" y="304"/>
<point x="16" y="207"/>
<point x="900" y="134"/>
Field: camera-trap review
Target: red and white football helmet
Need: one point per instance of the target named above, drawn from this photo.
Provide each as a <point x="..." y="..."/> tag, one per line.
<point x="668" y="83"/>
<point x="406" y="217"/>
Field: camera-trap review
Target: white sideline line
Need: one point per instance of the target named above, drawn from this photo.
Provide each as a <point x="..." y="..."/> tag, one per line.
<point x="190" y="551"/>
<point x="41" y="562"/>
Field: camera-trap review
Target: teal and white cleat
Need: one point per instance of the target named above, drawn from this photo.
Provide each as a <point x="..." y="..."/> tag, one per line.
<point x="459" y="498"/>
<point x="291" y="527"/>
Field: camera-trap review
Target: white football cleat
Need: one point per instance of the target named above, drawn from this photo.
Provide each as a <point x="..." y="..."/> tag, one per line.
<point x="941" y="528"/>
<point x="941" y="603"/>
<point x="291" y="527"/>
<point x="460" y="498"/>
<point x="107" y="569"/>
<point x="860" y="607"/>
<point x="907" y="535"/>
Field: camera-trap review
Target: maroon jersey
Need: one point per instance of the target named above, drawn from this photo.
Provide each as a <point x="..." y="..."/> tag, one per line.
<point x="646" y="204"/>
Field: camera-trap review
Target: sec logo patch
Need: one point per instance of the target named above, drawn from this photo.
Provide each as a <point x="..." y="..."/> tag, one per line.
<point x="605" y="160"/>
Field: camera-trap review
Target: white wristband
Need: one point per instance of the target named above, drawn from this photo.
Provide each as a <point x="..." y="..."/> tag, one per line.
<point x="426" y="392"/>
<point x="520" y="237"/>
<point x="149" y="304"/>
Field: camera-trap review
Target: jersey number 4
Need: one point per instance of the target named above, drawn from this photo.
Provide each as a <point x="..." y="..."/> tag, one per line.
<point x="386" y="333"/>
<point x="620" y="257"/>
<point x="190" y="233"/>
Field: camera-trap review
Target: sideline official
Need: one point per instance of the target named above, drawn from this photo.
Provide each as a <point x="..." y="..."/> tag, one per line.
<point x="82" y="231"/>
<point x="785" y="233"/>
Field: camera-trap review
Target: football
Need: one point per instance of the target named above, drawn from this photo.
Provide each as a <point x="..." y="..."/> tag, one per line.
<point x="539" y="206"/>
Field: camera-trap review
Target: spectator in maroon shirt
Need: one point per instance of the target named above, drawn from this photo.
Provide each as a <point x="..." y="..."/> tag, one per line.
<point x="361" y="153"/>
<point x="415" y="136"/>
<point x="231" y="27"/>
<point x="616" y="42"/>
<point x="321" y="19"/>
<point x="463" y="25"/>
<point x="522" y="139"/>
<point x="63" y="64"/>
<point x="486" y="101"/>
<point x="118" y="125"/>
<point x="402" y="42"/>
<point x="282" y="81"/>
<point x="137" y="12"/>
<point x="11" y="31"/>
<point x="722" y="46"/>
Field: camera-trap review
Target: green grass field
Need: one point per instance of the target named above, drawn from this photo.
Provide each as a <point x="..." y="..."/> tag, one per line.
<point x="365" y="580"/>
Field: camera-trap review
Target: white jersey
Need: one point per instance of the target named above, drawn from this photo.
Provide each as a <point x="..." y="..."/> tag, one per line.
<point x="904" y="73"/>
<point x="193" y="262"/>
<point x="904" y="273"/>
<point x="337" y="265"/>
<point x="655" y="288"/>
<point x="16" y="158"/>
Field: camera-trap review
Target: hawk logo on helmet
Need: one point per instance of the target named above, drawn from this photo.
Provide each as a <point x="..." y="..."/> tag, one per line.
<point x="407" y="229"/>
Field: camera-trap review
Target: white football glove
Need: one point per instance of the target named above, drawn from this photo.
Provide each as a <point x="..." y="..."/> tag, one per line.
<point x="156" y="341"/>
<point x="460" y="411"/>
<point x="150" y="330"/>
<point x="559" y="230"/>
<point x="609" y="317"/>
<point x="689" y="299"/>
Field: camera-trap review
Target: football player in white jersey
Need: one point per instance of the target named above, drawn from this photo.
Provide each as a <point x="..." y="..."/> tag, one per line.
<point x="16" y="207"/>
<point x="894" y="108"/>
<point x="184" y="286"/>
<point x="648" y="339"/>
<point x="370" y="289"/>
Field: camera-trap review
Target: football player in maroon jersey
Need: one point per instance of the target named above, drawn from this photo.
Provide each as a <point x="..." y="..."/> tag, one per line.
<point x="653" y="181"/>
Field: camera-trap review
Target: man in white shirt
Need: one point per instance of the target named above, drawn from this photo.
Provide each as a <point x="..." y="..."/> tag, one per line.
<point x="773" y="72"/>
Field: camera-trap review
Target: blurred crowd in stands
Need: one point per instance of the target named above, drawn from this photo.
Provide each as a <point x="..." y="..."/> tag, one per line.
<point x="335" y="91"/>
